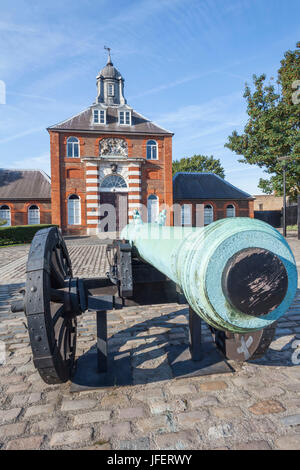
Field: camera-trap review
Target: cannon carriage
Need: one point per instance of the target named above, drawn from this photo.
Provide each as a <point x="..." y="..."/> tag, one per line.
<point x="237" y="275"/>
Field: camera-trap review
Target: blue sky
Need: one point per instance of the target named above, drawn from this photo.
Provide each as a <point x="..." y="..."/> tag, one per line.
<point x="185" y="63"/>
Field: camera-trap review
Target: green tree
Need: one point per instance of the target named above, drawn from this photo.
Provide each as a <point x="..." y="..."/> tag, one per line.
<point x="199" y="163"/>
<point x="273" y="128"/>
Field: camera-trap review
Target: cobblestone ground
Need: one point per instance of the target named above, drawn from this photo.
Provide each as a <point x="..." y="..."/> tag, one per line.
<point x="256" y="407"/>
<point x="87" y="255"/>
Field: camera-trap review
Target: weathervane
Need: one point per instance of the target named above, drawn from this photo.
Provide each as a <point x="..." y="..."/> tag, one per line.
<point x="109" y="58"/>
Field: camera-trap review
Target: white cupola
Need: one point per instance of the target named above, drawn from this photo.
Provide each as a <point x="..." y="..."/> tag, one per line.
<point x="110" y="85"/>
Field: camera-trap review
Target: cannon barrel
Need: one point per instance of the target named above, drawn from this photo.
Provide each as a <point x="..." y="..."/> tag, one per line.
<point x="238" y="274"/>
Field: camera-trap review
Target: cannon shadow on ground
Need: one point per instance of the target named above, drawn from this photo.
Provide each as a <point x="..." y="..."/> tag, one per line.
<point x="163" y="356"/>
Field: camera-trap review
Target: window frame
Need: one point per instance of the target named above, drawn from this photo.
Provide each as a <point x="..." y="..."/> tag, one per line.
<point x="151" y="147"/>
<point x="29" y="214"/>
<point x="212" y="214"/>
<point x="109" y="188"/>
<point x="73" y="145"/>
<point x="186" y="215"/>
<point x="101" y="113"/>
<point x="152" y="197"/>
<point x="111" y="86"/>
<point x="72" y="198"/>
<point x="230" y="207"/>
<point x="8" y="220"/>
<point x="124" y="114"/>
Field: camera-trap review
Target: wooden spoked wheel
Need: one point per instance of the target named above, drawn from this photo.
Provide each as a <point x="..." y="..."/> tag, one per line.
<point x="52" y="324"/>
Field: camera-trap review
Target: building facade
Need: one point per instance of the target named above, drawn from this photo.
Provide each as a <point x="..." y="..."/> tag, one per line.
<point x="108" y="156"/>
<point x="25" y="197"/>
<point x="219" y="198"/>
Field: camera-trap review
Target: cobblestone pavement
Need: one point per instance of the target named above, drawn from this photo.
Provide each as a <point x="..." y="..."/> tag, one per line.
<point x="87" y="256"/>
<point x="256" y="407"/>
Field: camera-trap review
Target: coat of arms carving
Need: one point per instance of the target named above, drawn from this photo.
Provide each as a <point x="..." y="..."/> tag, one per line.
<point x="113" y="146"/>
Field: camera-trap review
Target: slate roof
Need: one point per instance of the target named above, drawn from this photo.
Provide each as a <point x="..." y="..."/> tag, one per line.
<point x="24" y="184"/>
<point x="204" y="186"/>
<point x="84" y="122"/>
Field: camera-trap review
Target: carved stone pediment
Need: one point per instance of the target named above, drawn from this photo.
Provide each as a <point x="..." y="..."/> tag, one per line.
<point x="113" y="146"/>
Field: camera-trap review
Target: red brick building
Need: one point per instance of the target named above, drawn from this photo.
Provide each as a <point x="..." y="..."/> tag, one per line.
<point x="108" y="154"/>
<point x="25" y="197"/>
<point x="220" y="198"/>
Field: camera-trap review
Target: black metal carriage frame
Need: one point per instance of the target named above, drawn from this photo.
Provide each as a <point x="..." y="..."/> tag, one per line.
<point x="53" y="299"/>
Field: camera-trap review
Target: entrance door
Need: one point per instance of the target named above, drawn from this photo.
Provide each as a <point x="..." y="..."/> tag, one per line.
<point x="113" y="211"/>
<point x="107" y="212"/>
<point x="122" y="210"/>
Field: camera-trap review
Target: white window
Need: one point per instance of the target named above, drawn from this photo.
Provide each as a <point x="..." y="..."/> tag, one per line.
<point x="111" y="89"/>
<point x="74" y="210"/>
<point x="5" y="215"/>
<point x="230" y="210"/>
<point x="73" y="147"/>
<point x="99" y="116"/>
<point x="186" y="215"/>
<point x="208" y="214"/>
<point x="33" y="215"/>
<point x="152" y="153"/>
<point x="113" y="183"/>
<point x="152" y="208"/>
<point x="125" y="118"/>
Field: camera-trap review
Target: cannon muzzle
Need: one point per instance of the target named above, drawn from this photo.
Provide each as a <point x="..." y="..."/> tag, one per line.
<point x="238" y="274"/>
<point x="255" y="281"/>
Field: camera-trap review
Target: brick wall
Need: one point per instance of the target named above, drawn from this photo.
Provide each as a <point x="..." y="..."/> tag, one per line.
<point x="68" y="175"/>
<point x="243" y="208"/>
<point x="19" y="211"/>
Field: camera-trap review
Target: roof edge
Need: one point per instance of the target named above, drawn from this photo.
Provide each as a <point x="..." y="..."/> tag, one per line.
<point x="247" y="195"/>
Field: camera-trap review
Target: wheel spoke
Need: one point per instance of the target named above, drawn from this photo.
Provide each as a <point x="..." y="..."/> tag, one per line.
<point x="57" y="315"/>
<point x="57" y="296"/>
<point x="67" y="340"/>
<point x="60" y="260"/>
<point x="56" y="273"/>
<point x="61" y="335"/>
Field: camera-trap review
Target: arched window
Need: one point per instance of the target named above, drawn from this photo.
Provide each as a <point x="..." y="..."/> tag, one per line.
<point x="186" y="213"/>
<point x="208" y="214"/>
<point x="152" y="208"/>
<point x="152" y="151"/>
<point x="74" y="210"/>
<point x="230" y="210"/>
<point x="113" y="183"/>
<point x="73" y="147"/>
<point x="33" y="215"/>
<point x="5" y="215"/>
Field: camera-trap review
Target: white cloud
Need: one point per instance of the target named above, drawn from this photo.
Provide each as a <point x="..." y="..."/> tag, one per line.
<point x="41" y="162"/>
<point x="21" y="134"/>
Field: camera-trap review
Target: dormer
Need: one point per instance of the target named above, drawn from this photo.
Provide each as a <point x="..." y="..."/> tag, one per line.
<point x="99" y="115"/>
<point x="125" y="115"/>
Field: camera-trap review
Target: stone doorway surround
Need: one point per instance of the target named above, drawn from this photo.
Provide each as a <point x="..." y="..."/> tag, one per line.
<point x="97" y="168"/>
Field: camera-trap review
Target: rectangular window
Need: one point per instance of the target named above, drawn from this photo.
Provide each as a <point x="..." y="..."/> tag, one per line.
<point x="124" y="117"/>
<point x="186" y="215"/>
<point x="111" y="89"/>
<point x="96" y="116"/>
<point x="74" y="215"/>
<point x="33" y="217"/>
<point x="99" y="116"/>
<point x="102" y="117"/>
<point x="70" y="150"/>
<point x="76" y="151"/>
